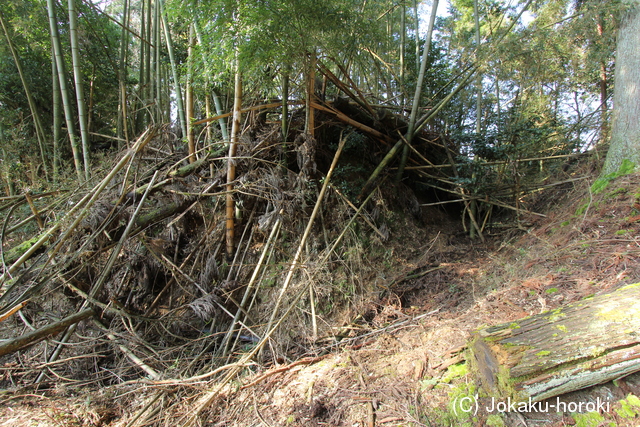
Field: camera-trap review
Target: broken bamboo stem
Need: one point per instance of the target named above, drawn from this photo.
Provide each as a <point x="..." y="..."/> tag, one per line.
<point x="18" y="343"/>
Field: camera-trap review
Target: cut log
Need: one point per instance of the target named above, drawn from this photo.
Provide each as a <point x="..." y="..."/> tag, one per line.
<point x="580" y="345"/>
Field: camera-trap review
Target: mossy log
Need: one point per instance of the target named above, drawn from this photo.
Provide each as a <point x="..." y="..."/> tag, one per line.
<point x="16" y="252"/>
<point x="580" y="345"/>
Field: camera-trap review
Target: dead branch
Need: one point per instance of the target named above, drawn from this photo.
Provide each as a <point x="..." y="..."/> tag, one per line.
<point x="40" y="334"/>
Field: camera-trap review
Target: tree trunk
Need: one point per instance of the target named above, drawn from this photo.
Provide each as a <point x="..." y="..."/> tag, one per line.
<point x="221" y="122"/>
<point x="191" y="141"/>
<point x="231" y="166"/>
<point x="417" y="29"/>
<point x="57" y="116"/>
<point x="585" y="343"/>
<point x="122" y="74"/>
<point x="176" y="79"/>
<point x="64" y="91"/>
<point x="418" y="92"/>
<point x="77" y="77"/>
<point x="403" y="36"/>
<point x="37" y="123"/>
<point x="604" y="125"/>
<point x="285" y="102"/>
<point x="310" y="124"/>
<point x="625" y="130"/>
<point x="140" y="104"/>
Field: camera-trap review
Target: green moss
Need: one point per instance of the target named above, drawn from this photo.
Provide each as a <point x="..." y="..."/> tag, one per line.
<point x="625" y="168"/>
<point x="629" y="407"/>
<point x="561" y="328"/>
<point x="494" y="420"/>
<point x="556" y="315"/>
<point x="543" y="353"/>
<point x="633" y="285"/>
<point x="551" y="290"/>
<point x="590" y="419"/>
<point x="622" y="232"/>
<point x="455" y="371"/>
<point x="514" y="325"/>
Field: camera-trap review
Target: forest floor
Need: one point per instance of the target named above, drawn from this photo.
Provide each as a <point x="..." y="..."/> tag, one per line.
<point x="402" y="363"/>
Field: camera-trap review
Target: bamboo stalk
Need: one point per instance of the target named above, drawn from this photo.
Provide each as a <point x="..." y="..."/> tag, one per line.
<point x="79" y="211"/>
<point x="246" y="110"/>
<point x="249" y="288"/>
<point x="231" y="162"/>
<point x="33" y="337"/>
<point x="234" y="369"/>
<point x="307" y="231"/>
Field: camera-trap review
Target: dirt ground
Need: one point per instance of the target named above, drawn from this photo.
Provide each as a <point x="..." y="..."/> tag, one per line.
<point x="401" y="361"/>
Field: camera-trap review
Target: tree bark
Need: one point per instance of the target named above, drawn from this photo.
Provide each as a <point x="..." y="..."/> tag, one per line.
<point x="191" y="140"/>
<point x="585" y="343"/>
<point x="625" y="130"/>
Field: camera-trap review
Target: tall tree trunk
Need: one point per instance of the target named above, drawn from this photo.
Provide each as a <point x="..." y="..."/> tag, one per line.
<point x="190" y="102"/>
<point x="403" y="40"/>
<point x="77" y="77"/>
<point x="176" y="79"/>
<point x="231" y="162"/>
<point x="625" y="130"/>
<point x="64" y="91"/>
<point x="122" y="74"/>
<point x="418" y="92"/>
<point x="221" y="122"/>
<point x="285" y="102"/>
<point x="472" y="206"/>
<point x="57" y="116"/>
<point x="417" y="29"/>
<point x="142" y="83"/>
<point x="37" y="123"/>
<point x="310" y="124"/>
<point x="604" y="123"/>
<point x="208" y="113"/>
<point x="157" y="78"/>
<point x="476" y="19"/>
<point x="148" y="88"/>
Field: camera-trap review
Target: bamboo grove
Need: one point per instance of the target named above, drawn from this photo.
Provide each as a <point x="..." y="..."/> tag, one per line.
<point x="117" y="66"/>
<point x="195" y="176"/>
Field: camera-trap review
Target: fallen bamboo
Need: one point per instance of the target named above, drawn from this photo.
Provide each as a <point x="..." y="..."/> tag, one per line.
<point x="246" y="110"/>
<point x="79" y="211"/>
<point x="348" y="120"/>
<point x="234" y="369"/>
<point x="18" y="343"/>
<point x="294" y="263"/>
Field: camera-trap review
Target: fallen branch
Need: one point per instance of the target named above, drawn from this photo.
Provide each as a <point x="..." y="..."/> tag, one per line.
<point x="15" y="344"/>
